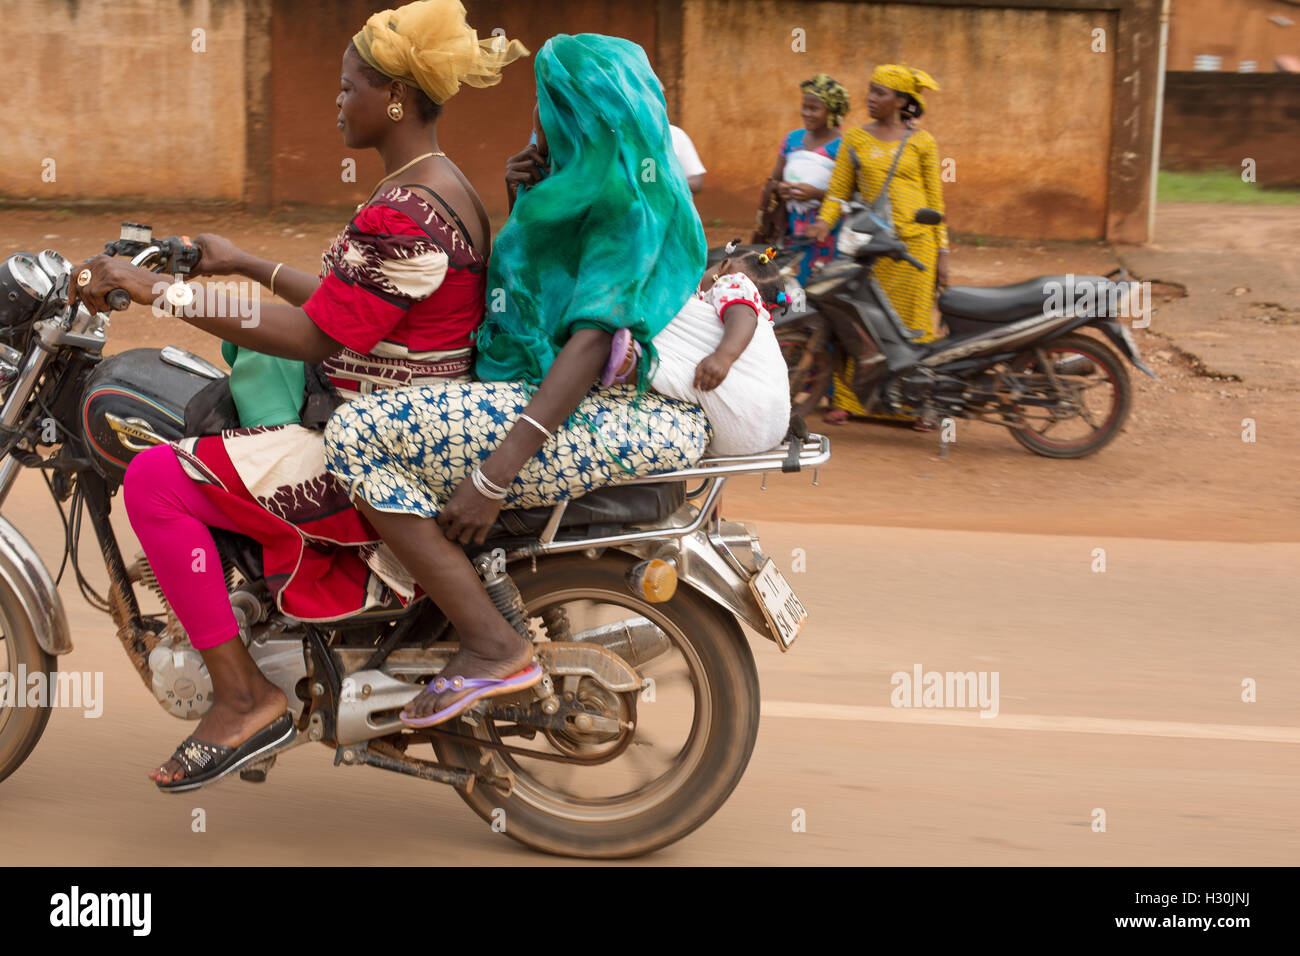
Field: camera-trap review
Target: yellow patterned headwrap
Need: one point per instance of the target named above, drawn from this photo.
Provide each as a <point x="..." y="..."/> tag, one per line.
<point x="904" y="79"/>
<point x="429" y="44"/>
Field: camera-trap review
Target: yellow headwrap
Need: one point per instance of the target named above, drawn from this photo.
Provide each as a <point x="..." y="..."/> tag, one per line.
<point x="430" y="45"/>
<point x="904" y="79"/>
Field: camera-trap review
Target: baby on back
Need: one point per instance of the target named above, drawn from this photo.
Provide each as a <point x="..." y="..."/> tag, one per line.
<point x="720" y="352"/>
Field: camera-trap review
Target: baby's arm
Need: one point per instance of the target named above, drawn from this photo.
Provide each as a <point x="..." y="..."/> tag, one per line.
<point x="740" y="320"/>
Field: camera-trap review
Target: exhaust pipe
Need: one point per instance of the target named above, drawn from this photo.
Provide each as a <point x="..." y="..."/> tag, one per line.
<point x="637" y="639"/>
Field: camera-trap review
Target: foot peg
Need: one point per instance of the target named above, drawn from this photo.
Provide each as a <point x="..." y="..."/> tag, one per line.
<point x="256" y="772"/>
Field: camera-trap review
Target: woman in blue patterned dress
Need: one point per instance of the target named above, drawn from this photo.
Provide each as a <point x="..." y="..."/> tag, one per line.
<point x="804" y="165"/>
<point x="592" y="246"/>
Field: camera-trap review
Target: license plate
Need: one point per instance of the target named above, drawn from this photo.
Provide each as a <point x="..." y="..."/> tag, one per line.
<point x="784" y="611"/>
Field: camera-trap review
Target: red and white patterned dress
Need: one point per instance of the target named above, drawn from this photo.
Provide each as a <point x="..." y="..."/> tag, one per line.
<point x="404" y="293"/>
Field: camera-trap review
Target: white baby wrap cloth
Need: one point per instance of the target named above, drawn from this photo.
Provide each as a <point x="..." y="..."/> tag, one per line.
<point x="750" y="411"/>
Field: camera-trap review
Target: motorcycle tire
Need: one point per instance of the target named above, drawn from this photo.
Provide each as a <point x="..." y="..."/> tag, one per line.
<point x="20" y="727"/>
<point x="729" y="702"/>
<point x="1110" y="364"/>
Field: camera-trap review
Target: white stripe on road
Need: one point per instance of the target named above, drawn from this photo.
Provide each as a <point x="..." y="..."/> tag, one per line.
<point x="1075" y="725"/>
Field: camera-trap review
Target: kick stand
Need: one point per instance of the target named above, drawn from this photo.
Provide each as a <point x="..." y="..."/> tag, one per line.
<point x="256" y="772"/>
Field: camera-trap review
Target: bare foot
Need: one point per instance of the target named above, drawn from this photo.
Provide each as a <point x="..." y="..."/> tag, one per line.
<point x="232" y="720"/>
<point x="629" y="364"/>
<point x="501" y="656"/>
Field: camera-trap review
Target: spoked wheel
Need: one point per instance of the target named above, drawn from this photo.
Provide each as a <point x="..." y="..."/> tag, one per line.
<point x="1076" y="405"/>
<point x="641" y="769"/>
<point x="810" y="369"/>
<point x="21" y="726"/>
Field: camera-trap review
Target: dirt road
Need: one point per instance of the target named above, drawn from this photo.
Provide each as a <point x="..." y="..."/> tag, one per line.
<point x="1179" y="471"/>
<point x="1119" y="691"/>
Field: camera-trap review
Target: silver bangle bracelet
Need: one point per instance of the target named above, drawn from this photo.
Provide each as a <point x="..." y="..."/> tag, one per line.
<point x="535" y="423"/>
<point x="499" y="489"/>
<point x="485" y="487"/>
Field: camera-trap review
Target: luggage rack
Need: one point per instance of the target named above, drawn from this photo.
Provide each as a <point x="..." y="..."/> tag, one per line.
<point x="712" y="475"/>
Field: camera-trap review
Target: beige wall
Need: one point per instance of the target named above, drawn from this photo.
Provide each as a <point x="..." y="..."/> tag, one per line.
<point x="1025" y="110"/>
<point x="106" y="89"/>
<point x="1049" y="139"/>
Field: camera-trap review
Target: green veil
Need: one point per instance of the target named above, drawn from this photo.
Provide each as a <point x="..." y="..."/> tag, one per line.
<point x="610" y="239"/>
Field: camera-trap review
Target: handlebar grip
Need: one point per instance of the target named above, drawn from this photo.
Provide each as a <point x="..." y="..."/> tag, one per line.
<point x="908" y="257"/>
<point x="190" y="254"/>
<point x="119" y="300"/>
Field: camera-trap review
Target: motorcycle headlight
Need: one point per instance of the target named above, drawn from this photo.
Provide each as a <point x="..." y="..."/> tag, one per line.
<point x="23" y="287"/>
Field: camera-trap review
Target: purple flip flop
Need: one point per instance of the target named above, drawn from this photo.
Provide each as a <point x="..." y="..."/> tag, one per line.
<point x="617" y="356"/>
<point x="482" y="687"/>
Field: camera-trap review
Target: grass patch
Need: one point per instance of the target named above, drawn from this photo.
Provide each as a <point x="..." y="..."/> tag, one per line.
<point x="1219" y="185"/>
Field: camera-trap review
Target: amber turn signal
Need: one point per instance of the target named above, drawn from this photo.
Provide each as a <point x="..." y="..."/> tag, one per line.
<point x="655" y="580"/>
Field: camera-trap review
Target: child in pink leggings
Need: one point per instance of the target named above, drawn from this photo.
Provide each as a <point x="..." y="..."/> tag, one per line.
<point x="171" y="516"/>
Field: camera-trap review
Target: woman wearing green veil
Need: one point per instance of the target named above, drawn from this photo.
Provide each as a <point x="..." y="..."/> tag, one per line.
<point x="607" y="239"/>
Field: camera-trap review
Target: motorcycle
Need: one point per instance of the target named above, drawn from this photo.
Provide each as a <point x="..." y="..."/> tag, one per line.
<point x="1014" y="355"/>
<point x="635" y="597"/>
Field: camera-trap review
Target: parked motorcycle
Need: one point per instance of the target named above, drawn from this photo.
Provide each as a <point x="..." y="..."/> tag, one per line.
<point x="634" y="595"/>
<point x="1014" y="355"/>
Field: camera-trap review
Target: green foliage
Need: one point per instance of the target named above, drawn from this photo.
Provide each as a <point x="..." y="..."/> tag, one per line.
<point x="1219" y="185"/>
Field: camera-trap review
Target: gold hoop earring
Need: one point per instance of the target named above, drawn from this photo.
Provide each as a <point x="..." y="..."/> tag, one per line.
<point x="395" y="112"/>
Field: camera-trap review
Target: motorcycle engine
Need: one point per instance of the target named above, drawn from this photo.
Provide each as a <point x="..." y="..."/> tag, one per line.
<point x="181" y="681"/>
<point x="921" y="387"/>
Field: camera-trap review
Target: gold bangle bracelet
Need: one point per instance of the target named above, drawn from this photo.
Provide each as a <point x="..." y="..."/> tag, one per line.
<point x="273" y="273"/>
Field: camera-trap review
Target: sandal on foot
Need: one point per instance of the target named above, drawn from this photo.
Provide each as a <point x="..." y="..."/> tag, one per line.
<point x="480" y="687"/>
<point x="620" y="349"/>
<point x="206" y="763"/>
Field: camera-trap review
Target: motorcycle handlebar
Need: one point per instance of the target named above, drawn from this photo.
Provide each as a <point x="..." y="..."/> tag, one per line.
<point x="909" y="258"/>
<point x="119" y="300"/>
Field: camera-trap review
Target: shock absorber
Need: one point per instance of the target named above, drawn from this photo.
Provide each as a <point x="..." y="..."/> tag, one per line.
<point x="503" y="591"/>
<point x="556" y="620"/>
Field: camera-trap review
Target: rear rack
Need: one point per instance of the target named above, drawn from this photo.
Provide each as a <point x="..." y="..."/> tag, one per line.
<point x="712" y="474"/>
<point x="816" y="451"/>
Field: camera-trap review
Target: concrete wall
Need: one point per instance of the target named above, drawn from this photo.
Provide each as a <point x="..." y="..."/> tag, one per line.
<point x="108" y="91"/>
<point x="1235" y="30"/>
<point x="1048" y="137"/>
<point x="1030" y="148"/>
<point x="1219" y="119"/>
<point x="479" y="129"/>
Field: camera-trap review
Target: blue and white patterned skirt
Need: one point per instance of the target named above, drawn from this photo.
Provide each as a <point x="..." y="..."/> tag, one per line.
<point x="406" y="450"/>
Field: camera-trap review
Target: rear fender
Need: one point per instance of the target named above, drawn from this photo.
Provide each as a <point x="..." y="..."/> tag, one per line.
<point x="703" y="568"/>
<point x="1123" y="340"/>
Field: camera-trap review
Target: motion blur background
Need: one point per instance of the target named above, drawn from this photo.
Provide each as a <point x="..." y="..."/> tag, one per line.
<point x="1048" y="110"/>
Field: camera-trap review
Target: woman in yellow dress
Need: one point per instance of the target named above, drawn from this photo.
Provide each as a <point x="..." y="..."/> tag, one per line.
<point x="894" y="101"/>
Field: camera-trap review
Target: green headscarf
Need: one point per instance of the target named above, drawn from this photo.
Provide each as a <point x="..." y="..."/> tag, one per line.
<point x="610" y="239"/>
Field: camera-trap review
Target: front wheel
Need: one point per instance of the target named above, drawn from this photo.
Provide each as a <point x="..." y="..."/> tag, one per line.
<point x="1074" y="396"/>
<point x="693" y="727"/>
<point x="22" y="716"/>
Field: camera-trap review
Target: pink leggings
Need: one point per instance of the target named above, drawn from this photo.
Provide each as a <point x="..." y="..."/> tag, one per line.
<point x="171" y="516"/>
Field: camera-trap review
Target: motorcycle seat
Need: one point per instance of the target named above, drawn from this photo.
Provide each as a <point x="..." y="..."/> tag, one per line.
<point x="1007" y="303"/>
<point x="603" y="511"/>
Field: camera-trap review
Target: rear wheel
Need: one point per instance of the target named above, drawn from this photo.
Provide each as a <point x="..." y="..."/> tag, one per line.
<point x="810" y="369"/>
<point x="691" y="731"/>
<point x="21" y="726"/>
<point x="1078" y="403"/>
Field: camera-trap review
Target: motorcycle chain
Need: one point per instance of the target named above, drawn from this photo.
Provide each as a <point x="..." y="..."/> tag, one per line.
<point x="523" y="752"/>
